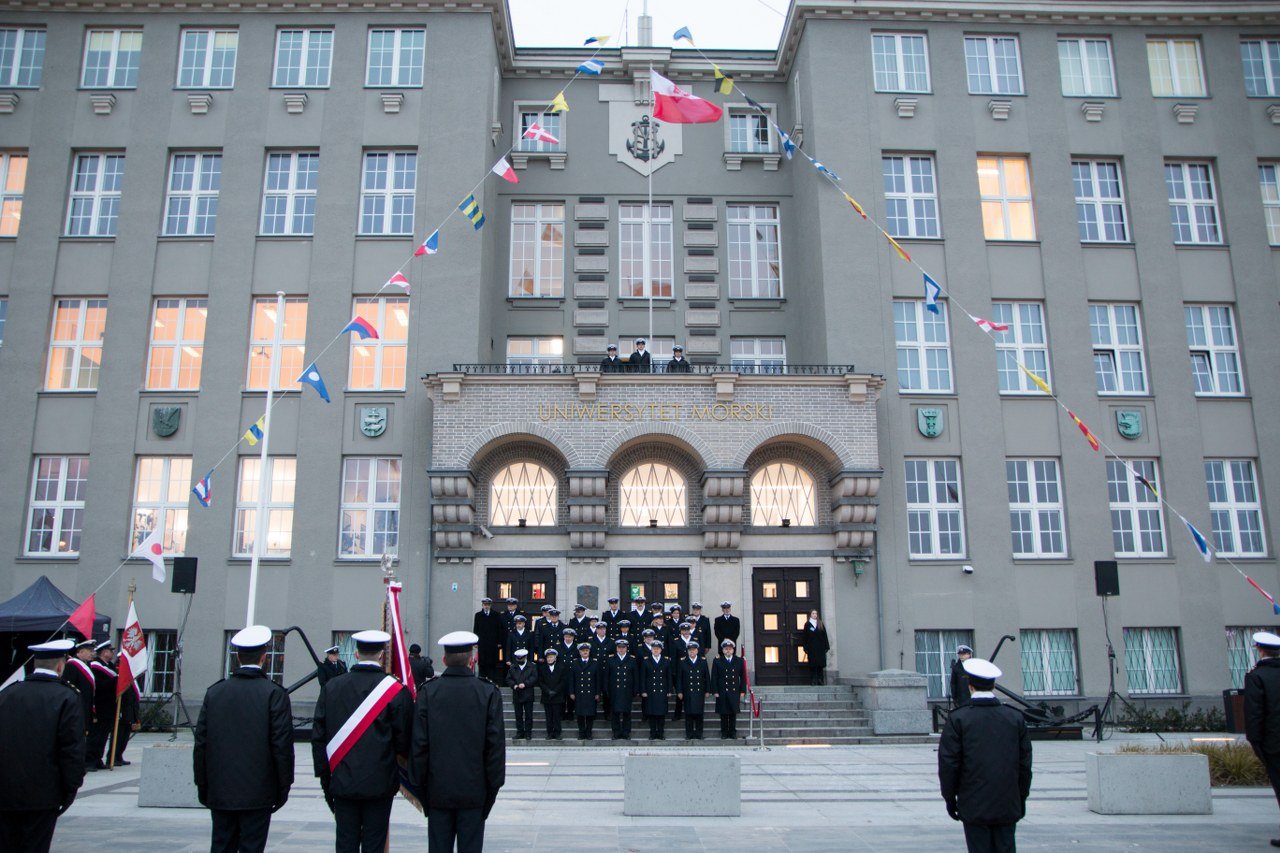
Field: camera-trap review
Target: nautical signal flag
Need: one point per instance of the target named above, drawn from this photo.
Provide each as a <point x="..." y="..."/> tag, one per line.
<point x="853" y="202"/>
<point x="902" y="253"/>
<point x="932" y="290"/>
<point x="724" y="83"/>
<point x="1085" y="431"/>
<point x="152" y="548"/>
<point x="600" y="40"/>
<point x="788" y="145"/>
<point x="503" y="170"/>
<point x="682" y="33"/>
<point x="471" y="209"/>
<point x="203" y="490"/>
<point x="255" y="431"/>
<point x="673" y="104"/>
<point x="988" y="325"/>
<point x="311" y="376"/>
<point x="824" y="170"/>
<point x="1275" y="608"/>
<point x="1144" y="481"/>
<point x="559" y="104"/>
<point x="361" y="327"/>
<point x="538" y="132"/>
<point x="593" y="67"/>
<point x="398" y="280"/>
<point x="429" y="246"/>
<point x="1201" y="544"/>
<point x="1040" y="383"/>
<point x="756" y="105"/>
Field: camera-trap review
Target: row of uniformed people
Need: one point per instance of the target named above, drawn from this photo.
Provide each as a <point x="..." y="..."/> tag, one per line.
<point x="93" y="671"/>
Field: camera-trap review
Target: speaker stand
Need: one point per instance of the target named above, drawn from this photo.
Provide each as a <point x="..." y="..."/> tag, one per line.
<point x="1107" y="715"/>
<point x="176" y="696"/>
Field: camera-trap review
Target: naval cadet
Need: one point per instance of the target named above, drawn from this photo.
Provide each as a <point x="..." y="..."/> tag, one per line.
<point x="331" y="667"/>
<point x="130" y="721"/>
<point x="580" y="624"/>
<point x="677" y="364"/>
<point x="611" y="363"/>
<point x="79" y="675"/>
<point x="640" y="361"/>
<point x="701" y="627"/>
<point x="693" y="683"/>
<point x="728" y="626"/>
<point x="611" y="617"/>
<point x="677" y="649"/>
<point x="584" y="689"/>
<point x="568" y="653"/>
<point x="522" y="677"/>
<point x="638" y="615"/>
<point x="547" y="634"/>
<point x="601" y="644"/>
<point x="1262" y="708"/>
<point x="104" y="704"/>
<point x="729" y="684"/>
<point x="520" y="638"/>
<point x="620" y="682"/>
<point x="655" y="689"/>
<point x="624" y="633"/>
<point x="959" y="679"/>
<point x="420" y="668"/>
<point x="488" y="625"/>
<point x="553" y="684"/>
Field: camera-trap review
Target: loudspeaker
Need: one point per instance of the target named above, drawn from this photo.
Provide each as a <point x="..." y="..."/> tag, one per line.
<point x="1106" y="578"/>
<point x="184" y="574"/>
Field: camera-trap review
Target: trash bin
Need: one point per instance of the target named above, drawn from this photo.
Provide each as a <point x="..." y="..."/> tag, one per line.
<point x="1233" y="708"/>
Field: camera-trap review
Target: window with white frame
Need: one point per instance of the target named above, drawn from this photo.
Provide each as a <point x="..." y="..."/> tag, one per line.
<point x="652" y="495"/>
<point x="1242" y="652"/>
<point x="1004" y="187"/>
<point x="1049" y="662"/>
<point x="523" y="494"/>
<point x="21" y="57"/>
<point x="1193" y="203"/>
<point x="75" y="344"/>
<point x="396" y="57"/>
<point x="935" y="512"/>
<point x="378" y="364"/>
<point x="923" y="346"/>
<point x="1119" y="365"/>
<point x="535" y="355"/>
<point x="1086" y="67"/>
<point x="1215" y="353"/>
<point x="94" y="206"/>
<point x="111" y="59"/>
<point x="631" y="248"/>
<point x="783" y="494"/>
<point x="387" y="192"/>
<point x="162" y="663"/>
<point x="935" y="655"/>
<point x="910" y="195"/>
<point x="552" y="123"/>
<point x="993" y="65"/>
<point x="1261" y="61"/>
<point x="900" y="61"/>
<point x="289" y="193"/>
<point x="55" y="516"/>
<point x="1235" y="508"/>
<point x="1269" y="182"/>
<point x="13" y="183"/>
<point x="758" y="355"/>
<point x="277" y="341"/>
<point x="1137" y="520"/>
<point x="1035" y="508"/>
<point x="1023" y="342"/>
<point x="303" y="58"/>
<point x="176" y="353"/>
<point x="191" y="202"/>
<point x="755" y="251"/>
<point x="537" y="249"/>
<point x="1175" y="68"/>
<point x="161" y="492"/>
<point x="749" y="132"/>
<point x="1151" y="660"/>
<point x="207" y="59"/>
<point x="370" y="514"/>
<point x="274" y="666"/>
<point x="282" y="472"/>
<point x="1100" y="208"/>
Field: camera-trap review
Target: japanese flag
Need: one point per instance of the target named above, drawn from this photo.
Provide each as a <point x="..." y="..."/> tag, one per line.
<point x="152" y="548"/>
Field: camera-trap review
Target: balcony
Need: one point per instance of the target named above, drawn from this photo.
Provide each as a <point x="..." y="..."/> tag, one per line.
<point x="745" y="368"/>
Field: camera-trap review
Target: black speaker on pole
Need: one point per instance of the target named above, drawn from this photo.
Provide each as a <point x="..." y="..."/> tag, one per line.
<point x="184" y="575"/>
<point x="1106" y="578"/>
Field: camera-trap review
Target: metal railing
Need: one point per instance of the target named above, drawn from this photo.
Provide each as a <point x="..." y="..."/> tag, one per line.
<point x="745" y="368"/>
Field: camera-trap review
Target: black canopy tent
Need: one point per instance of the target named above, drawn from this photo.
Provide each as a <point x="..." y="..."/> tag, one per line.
<point x="33" y="615"/>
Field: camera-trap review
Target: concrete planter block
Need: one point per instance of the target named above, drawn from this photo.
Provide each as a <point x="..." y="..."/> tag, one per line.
<point x="897" y="701"/>
<point x="168" y="780"/>
<point x="649" y="792"/>
<point x="1148" y="783"/>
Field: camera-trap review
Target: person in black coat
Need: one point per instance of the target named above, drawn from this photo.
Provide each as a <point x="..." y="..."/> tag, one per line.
<point x="553" y="683"/>
<point x="621" y="678"/>
<point x="522" y="677"/>
<point x="640" y="361"/>
<point x="701" y="627"/>
<point x="104" y="704"/>
<point x="655" y="690"/>
<point x="520" y="638"/>
<point x="1262" y="708"/>
<point x="611" y="363"/>
<point x="243" y="757"/>
<point x="693" y="682"/>
<point x="331" y="667"/>
<point x="729" y="684"/>
<point x="638" y="615"/>
<point x="677" y="364"/>
<point x="584" y="689"/>
<point x="420" y="667"/>
<point x="41" y="750"/>
<point x="984" y="764"/>
<point x="567" y="651"/>
<point x="79" y="675"/>
<point x="612" y="617"/>
<point x="959" y="679"/>
<point x="488" y="625"/>
<point x="601" y="643"/>
<point x="581" y="624"/>
<point x="360" y="781"/>
<point x="548" y="633"/>
<point x="727" y="626"/>
<point x="813" y="639"/>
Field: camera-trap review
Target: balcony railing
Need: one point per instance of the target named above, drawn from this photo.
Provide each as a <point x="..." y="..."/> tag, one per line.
<point x="745" y="368"/>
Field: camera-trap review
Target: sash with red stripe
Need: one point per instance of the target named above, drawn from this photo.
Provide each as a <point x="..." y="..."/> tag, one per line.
<point x="83" y="667"/>
<point x="360" y="720"/>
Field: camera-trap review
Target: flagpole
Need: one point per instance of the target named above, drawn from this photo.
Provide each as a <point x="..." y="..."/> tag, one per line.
<point x="115" y="727"/>
<point x="264" y="482"/>
<point x="648" y="213"/>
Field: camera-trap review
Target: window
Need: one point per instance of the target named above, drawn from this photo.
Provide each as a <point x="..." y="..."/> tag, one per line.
<point x="1086" y="68"/>
<point x="1151" y="660"/>
<point x="273" y="343"/>
<point x="378" y="364"/>
<point x="1242" y="654"/>
<point x="901" y="62"/>
<point x="1235" y="507"/>
<point x="1175" y="68"/>
<point x="1049" y="663"/>
<point x="910" y="195"/>
<point x="191" y="206"/>
<point x="111" y="59"/>
<point x="274" y="666"/>
<point x="758" y="355"/>
<point x="1261" y="60"/>
<point x="177" y="344"/>
<point x="95" y="195"/>
<point x="289" y="193"/>
<point x="1137" y="521"/>
<point x="1035" y="508"/>
<point x="56" y="512"/>
<point x="161" y="491"/>
<point x="550" y="122"/>
<point x="535" y="355"/>
<point x="1100" y="209"/>
<point x="652" y="495"/>
<point x="749" y="132"/>
<point x="1118" y="363"/>
<point x="537" y="250"/>
<point x="282" y="471"/>
<point x="782" y="494"/>
<point x="1024" y="342"/>
<point x="346" y="647"/>
<point x="1269" y="181"/>
<point x="13" y="182"/>
<point x="1004" y="185"/>
<point x="523" y="494"/>
<point x="162" y="662"/>
<point x="370" y="524"/>
<point x="75" y="344"/>
<point x="1215" y="355"/>
<point x="935" y="514"/>
<point x="387" y="192"/>
<point x="303" y="58"/>
<point x="993" y="65"/>
<point x="935" y="653"/>
<point x="924" y="347"/>
<point x="208" y="59"/>
<point x="21" y="58"/>
<point x="1193" y="206"/>
<point x="631" y="239"/>
<point x="755" y="255"/>
<point x="396" y="57"/>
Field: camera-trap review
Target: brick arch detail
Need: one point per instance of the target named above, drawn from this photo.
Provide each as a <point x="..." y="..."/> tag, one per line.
<point x="517" y="431"/>
<point x="823" y="437"/>
<point x="703" y="455"/>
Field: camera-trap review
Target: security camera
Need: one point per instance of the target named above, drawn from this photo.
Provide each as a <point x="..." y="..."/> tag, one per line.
<point x="486" y="532"/>
<point x="968" y="570"/>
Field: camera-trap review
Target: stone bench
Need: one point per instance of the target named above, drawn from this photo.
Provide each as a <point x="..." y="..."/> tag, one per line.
<point x="168" y="781"/>
<point x="648" y="790"/>
<point x="1148" y="783"/>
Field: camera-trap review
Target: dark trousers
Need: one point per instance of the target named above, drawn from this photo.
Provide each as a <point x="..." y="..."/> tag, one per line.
<point x="693" y="726"/>
<point x="1271" y="761"/>
<point x="362" y="824"/>
<point x="818" y="674"/>
<point x="96" y="747"/>
<point x="447" y="826"/>
<point x="728" y="726"/>
<point x="524" y="719"/>
<point x="553" y="712"/>
<point x="27" y="832"/>
<point x="657" y="726"/>
<point x="621" y="724"/>
<point x="121" y="741"/>
<point x="989" y="839"/>
<point x="679" y="713"/>
<point x="585" y="724"/>
<point x="240" y="831"/>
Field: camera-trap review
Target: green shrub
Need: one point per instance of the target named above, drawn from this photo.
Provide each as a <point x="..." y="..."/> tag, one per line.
<point x="1229" y="763"/>
<point x="1181" y="719"/>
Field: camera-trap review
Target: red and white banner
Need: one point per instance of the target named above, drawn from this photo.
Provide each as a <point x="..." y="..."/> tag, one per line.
<point x="360" y="720"/>
<point x="673" y="104"/>
<point x="133" y="652"/>
<point x="399" y="650"/>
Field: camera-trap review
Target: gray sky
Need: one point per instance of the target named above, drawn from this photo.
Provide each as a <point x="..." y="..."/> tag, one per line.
<point x="714" y="23"/>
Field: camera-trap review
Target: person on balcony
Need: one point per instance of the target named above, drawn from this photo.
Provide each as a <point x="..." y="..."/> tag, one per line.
<point x="611" y="363"/>
<point x="640" y="360"/>
<point x="678" y="364"/>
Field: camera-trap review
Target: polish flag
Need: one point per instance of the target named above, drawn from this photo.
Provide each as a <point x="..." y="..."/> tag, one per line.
<point x="673" y="104"/>
<point x="988" y="325"/>
<point x="133" y="653"/>
<point x="152" y="548"/>
<point x="399" y="281"/>
<point x="503" y="170"/>
<point x="539" y="133"/>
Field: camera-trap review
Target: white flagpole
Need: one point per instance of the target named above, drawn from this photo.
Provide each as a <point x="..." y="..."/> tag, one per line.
<point x="648" y="210"/>
<point x="264" y="481"/>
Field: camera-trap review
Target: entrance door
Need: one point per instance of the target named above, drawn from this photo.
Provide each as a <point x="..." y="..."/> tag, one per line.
<point x="670" y="586"/>
<point x="533" y="588"/>
<point x="780" y="606"/>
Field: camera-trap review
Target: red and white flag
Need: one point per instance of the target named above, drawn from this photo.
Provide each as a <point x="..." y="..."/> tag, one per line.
<point x="538" y="132"/>
<point x="82" y="617"/>
<point x="133" y="653"/>
<point x="399" y="650"/>
<point x="398" y="280"/>
<point x="503" y="170"/>
<point x="152" y="548"/>
<point x="988" y="325"/>
<point x="673" y="104"/>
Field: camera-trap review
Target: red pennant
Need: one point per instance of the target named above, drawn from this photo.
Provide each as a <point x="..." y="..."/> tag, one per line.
<point x="82" y="618"/>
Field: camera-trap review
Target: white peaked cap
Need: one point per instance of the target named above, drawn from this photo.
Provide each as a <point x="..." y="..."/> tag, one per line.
<point x="252" y="637"/>
<point x="979" y="668"/>
<point x="1266" y="638"/>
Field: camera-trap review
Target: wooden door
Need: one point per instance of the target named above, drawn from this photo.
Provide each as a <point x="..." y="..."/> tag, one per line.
<point x="533" y="588"/>
<point x="781" y="601"/>
<point x="669" y="586"/>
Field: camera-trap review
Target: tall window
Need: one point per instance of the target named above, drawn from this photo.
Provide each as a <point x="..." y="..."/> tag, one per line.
<point x="208" y="59"/>
<point x="162" y="657"/>
<point x="1049" y="662"/>
<point x="55" y="517"/>
<point x="1118" y="362"/>
<point x="161" y="491"/>
<point x="550" y="122"/>
<point x="1137" y="522"/>
<point x="1100" y="209"/>
<point x="1004" y="185"/>
<point x="75" y="344"/>
<point x="303" y="58"/>
<point x="1261" y="60"/>
<point x="274" y="666"/>
<point x="1175" y="68"/>
<point x="758" y="355"/>
<point x="111" y="59"/>
<point x="378" y="364"/>
<point x="21" y="57"/>
<point x="537" y="250"/>
<point x="749" y="132"/>
<point x="755" y="254"/>
<point x="924" y="347"/>
<point x="535" y="355"/>
<point x="782" y="492"/>
<point x="1269" y="182"/>
<point x="993" y="65"/>
<point x="935" y="513"/>
<point x="910" y="195"/>
<point x="191" y="205"/>
<point x="901" y="62"/>
<point x="1193" y="204"/>
<point x="1151" y="660"/>
<point x="1235" y="508"/>
<point x="1215" y="353"/>
<point x="289" y="193"/>
<point x="631" y="249"/>
<point x="1023" y="342"/>
<point x="1035" y="508"/>
<point x="935" y="653"/>
<point x="95" y="195"/>
<point x="370" y="525"/>
<point x="1242" y="654"/>
<point x="176" y="354"/>
<point x="1086" y="67"/>
<point x="282" y="471"/>
<point x="13" y="182"/>
<point x="272" y="341"/>
<point x="523" y="494"/>
<point x="396" y="57"/>
<point x="387" y="192"/>
<point x="652" y="492"/>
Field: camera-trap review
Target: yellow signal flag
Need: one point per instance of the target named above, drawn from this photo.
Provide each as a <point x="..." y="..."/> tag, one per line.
<point x="902" y="253"/>
<point x="724" y="83"/>
<point x="1040" y="383"/>
<point x="855" y="204"/>
<point x="559" y="104"/>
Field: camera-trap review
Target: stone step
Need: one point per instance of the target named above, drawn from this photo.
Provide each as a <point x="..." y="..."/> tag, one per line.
<point x="676" y="740"/>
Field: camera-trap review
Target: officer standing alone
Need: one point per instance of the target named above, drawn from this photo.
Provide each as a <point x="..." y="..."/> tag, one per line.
<point x="1262" y="708"/>
<point x="332" y="666"/>
<point x="960" y="679"/>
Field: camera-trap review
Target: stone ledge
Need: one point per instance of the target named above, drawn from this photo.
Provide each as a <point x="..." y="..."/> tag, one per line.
<point x="648" y="790"/>
<point x="1143" y="783"/>
<point x="167" y="781"/>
